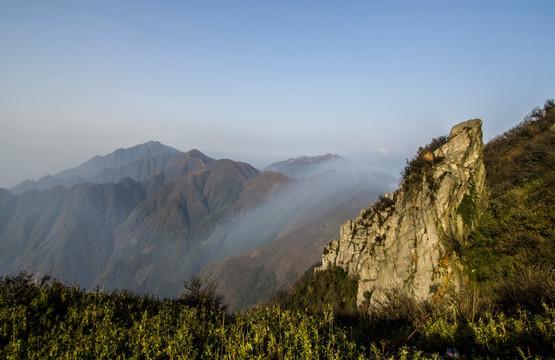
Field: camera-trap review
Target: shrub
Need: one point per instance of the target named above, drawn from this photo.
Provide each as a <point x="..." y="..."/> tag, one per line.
<point x="202" y="294"/>
<point x="421" y="163"/>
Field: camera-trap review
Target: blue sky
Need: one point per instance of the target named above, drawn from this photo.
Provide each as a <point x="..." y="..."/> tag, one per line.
<point x="262" y="81"/>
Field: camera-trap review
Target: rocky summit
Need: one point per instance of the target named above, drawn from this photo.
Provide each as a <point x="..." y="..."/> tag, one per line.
<point x="409" y="240"/>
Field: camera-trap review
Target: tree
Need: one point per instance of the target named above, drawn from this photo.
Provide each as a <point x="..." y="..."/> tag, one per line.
<point x="201" y="294"/>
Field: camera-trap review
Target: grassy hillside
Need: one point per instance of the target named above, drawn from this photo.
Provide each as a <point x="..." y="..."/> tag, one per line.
<point x="506" y="308"/>
<point x="510" y="258"/>
<point x="51" y="321"/>
<point x="509" y="264"/>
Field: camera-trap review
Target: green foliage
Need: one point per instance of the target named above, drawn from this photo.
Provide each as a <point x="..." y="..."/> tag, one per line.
<point x="421" y="163"/>
<point x="492" y="336"/>
<point x="511" y="254"/>
<point x="318" y="291"/>
<point x="467" y="209"/>
<point x="383" y="203"/>
<point x="202" y="295"/>
<point x="522" y="152"/>
<point x="50" y="320"/>
<point x="55" y="321"/>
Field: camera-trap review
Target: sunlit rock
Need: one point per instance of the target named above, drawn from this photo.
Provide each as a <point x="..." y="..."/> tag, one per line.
<point x="409" y="240"/>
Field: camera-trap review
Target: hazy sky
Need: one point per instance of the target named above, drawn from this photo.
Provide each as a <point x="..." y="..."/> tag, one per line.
<point x="261" y="81"/>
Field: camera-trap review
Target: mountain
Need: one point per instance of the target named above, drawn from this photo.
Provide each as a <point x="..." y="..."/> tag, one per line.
<point x="171" y="215"/>
<point x="188" y="223"/>
<point x="209" y="215"/>
<point x="136" y="162"/>
<point x="189" y="162"/>
<point x="70" y="232"/>
<point x="138" y="169"/>
<point x="480" y="257"/>
<point x="305" y="166"/>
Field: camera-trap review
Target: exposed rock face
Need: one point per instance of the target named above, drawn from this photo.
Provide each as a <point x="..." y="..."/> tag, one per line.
<point x="408" y="240"/>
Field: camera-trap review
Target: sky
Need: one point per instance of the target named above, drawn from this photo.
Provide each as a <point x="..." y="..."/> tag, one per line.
<point x="262" y="81"/>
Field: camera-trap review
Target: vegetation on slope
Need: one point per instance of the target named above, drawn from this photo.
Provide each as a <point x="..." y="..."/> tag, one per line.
<point x="421" y="164"/>
<point x="506" y="308"/>
<point x="50" y="320"/>
<point x="510" y="258"/>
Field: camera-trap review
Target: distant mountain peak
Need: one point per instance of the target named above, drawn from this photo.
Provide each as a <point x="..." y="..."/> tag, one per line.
<point x="312" y="159"/>
<point x="306" y="165"/>
<point x="109" y="168"/>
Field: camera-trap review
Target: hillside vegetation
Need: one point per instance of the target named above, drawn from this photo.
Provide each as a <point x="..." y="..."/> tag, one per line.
<point x="510" y="257"/>
<point x="505" y="308"/>
<point x="509" y="261"/>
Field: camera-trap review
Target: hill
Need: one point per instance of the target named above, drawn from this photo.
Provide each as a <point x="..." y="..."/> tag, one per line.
<point x="502" y="309"/>
<point x="505" y="262"/>
<point x="185" y="208"/>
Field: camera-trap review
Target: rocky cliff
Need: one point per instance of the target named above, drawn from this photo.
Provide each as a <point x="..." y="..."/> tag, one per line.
<point x="408" y="241"/>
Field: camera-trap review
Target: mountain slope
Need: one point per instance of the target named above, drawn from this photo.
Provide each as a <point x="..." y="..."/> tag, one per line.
<point x="64" y="232"/>
<point x="510" y="255"/>
<point x="46" y="182"/>
<point x="189" y="162"/>
<point x="185" y="223"/>
<point x="70" y="233"/>
<point x="138" y="169"/>
<point x="251" y="277"/>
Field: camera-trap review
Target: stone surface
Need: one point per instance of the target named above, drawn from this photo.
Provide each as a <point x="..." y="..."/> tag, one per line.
<point x="408" y="241"/>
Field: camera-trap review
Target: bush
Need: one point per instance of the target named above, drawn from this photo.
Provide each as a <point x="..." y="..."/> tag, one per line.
<point x="421" y="163"/>
<point x="320" y="290"/>
<point x="203" y="295"/>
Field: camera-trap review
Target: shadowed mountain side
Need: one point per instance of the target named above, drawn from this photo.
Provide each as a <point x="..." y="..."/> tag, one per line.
<point x="66" y="233"/>
<point x="251" y="277"/>
<point x="211" y="214"/>
<point x="174" y="220"/>
<point x="181" y="207"/>
<point x="187" y="163"/>
<point x="262" y="188"/>
<point x="138" y="169"/>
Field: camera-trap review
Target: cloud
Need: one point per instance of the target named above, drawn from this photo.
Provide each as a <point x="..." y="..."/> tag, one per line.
<point x="382" y="151"/>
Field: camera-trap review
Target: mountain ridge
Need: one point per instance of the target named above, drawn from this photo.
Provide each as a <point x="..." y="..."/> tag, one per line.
<point x="304" y="166"/>
<point x="108" y="168"/>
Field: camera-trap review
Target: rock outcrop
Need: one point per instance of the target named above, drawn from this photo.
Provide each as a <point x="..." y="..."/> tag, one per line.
<point x="408" y="241"/>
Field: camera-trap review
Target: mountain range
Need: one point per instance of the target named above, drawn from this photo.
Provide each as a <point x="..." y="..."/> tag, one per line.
<point x="149" y="217"/>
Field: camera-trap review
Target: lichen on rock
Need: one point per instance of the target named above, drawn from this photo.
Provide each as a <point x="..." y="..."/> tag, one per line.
<point x="409" y="240"/>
